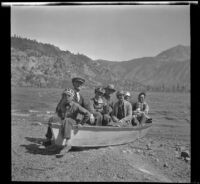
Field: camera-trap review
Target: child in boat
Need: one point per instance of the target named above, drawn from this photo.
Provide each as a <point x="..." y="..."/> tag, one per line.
<point x="122" y="111"/>
<point x="140" y="110"/>
<point x="98" y="108"/>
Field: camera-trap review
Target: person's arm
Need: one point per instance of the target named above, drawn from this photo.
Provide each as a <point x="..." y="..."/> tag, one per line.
<point x="86" y="114"/>
<point x="91" y="106"/>
<point x="113" y="114"/>
<point x="60" y="110"/>
<point x="146" y="109"/>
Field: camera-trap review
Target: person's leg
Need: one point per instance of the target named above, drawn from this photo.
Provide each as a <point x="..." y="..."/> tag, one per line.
<point x="106" y="119"/>
<point x="66" y="132"/>
<point x="98" y="118"/>
<point x="143" y="119"/>
<point x="135" y="121"/>
<point x="67" y="127"/>
<point x="49" y="134"/>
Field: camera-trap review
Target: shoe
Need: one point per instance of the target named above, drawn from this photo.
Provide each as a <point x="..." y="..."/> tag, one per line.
<point x="63" y="151"/>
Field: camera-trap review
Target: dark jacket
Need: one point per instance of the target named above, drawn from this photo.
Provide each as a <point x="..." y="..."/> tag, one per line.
<point x="72" y="110"/>
<point x="127" y="111"/>
<point x="81" y="102"/>
<point x="109" y="103"/>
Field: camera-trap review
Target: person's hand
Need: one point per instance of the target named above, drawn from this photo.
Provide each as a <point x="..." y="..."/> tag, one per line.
<point x="92" y="119"/>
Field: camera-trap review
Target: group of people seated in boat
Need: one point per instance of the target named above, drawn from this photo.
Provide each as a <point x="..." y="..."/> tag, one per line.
<point x="102" y="109"/>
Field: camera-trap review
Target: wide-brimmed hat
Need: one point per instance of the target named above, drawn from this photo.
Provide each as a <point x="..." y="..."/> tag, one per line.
<point x="78" y="79"/>
<point x="121" y="92"/>
<point x="68" y="91"/>
<point x="99" y="90"/>
<point x="110" y="88"/>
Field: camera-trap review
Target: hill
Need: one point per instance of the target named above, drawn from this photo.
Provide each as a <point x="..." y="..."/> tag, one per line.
<point x="45" y="65"/>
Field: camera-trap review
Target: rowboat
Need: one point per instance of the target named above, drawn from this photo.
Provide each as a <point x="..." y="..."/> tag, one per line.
<point x="99" y="136"/>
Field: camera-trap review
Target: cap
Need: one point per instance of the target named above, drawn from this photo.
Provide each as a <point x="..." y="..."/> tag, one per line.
<point x="99" y="90"/>
<point x="78" y="79"/>
<point x="127" y="93"/>
<point x="121" y="92"/>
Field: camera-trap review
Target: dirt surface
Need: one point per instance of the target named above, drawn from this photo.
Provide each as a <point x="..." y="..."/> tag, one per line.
<point x="154" y="158"/>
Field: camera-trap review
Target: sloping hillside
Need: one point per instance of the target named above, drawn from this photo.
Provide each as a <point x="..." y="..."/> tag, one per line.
<point x="44" y="65"/>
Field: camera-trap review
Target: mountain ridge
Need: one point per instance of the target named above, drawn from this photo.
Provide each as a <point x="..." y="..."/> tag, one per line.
<point x="45" y="65"/>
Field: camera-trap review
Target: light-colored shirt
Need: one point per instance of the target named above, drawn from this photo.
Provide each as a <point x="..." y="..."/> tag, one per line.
<point x="144" y="107"/>
<point x="77" y="96"/>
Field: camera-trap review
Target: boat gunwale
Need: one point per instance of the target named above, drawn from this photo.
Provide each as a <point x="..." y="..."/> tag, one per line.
<point x="105" y="128"/>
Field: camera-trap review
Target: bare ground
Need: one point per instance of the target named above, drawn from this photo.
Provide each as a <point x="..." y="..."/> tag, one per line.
<point x="159" y="162"/>
<point x="130" y="162"/>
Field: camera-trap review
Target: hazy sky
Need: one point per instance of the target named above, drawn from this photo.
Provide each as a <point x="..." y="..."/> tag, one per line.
<point x="111" y="32"/>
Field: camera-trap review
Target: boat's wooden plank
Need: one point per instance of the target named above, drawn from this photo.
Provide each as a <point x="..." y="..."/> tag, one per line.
<point x="100" y="136"/>
<point x="105" y="128"/>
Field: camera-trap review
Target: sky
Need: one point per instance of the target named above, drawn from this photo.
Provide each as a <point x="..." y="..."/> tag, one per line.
<point x="110" y="32"/>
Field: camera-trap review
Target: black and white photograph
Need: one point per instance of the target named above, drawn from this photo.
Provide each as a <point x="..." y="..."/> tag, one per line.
<point x="100" y="92"/>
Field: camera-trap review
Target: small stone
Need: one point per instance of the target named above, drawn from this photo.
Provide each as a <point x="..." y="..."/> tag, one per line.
<point x="138" y="151"/>
<point x="185" y="154"/>
<point x="157" y="160"/>
<point x="151" y="154"/>
<point x="161" y="145"/>
<point x="148" y="146"/>
<point x="166" y="164"/>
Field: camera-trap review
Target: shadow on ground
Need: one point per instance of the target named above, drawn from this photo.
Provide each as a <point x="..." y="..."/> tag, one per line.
<point x="37" y="148"/>
<point x="35" y="140"/>
<point x="51" y="150"/>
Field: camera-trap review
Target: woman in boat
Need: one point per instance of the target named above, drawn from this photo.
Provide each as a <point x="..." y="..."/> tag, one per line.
<point x="122" y="111"/>
<point x="98" y="108"/>
<point x="140" y="110"/>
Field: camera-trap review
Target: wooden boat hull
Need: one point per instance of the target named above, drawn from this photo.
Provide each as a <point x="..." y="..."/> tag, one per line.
<point x="99" y="136"/>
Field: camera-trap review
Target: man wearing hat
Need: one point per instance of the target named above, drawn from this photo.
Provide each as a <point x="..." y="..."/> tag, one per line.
<point x="97" y="107"/>
<point x="68" y="114"/>
<point x="127" y="96"/>
<point x="77" y="84"/>
<point x="109" y="90"/>
<point x="122" y="111"/>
